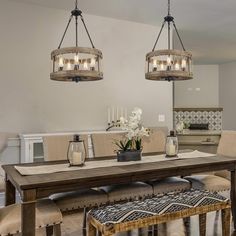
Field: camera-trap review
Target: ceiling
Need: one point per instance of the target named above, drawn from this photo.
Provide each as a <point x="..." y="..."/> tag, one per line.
<point x="207" y="27"/>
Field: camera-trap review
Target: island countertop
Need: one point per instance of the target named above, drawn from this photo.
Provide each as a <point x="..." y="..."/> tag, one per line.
<point x="187" y="132"/>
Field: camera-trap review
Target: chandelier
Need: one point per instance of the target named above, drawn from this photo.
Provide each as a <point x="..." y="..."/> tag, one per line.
<point x="76" y="63"/>
<point x="169" y="64"/>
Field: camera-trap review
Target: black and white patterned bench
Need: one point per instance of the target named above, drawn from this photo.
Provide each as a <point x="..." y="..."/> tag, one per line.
<point x="111" y="219"/>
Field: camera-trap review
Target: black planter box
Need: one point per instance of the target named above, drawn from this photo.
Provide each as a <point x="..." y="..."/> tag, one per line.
<point x="132" y="155"/>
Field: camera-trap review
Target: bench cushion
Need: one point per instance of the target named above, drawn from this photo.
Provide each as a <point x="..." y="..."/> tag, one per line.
<point x="47" y="213"/>
<point x="122" y="192"/>
<point x="212" y="183"/>
<point x="171" y="184"/>
<point x="158" y="205"/>
<point x="79" y="199"/>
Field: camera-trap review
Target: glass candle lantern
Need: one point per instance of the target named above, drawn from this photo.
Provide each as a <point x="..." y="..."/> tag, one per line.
<point x="172" y="145"/>
<point x="76" y="152"/>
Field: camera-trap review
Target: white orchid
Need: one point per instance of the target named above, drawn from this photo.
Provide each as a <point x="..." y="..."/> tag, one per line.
<point x="133" y="127"/>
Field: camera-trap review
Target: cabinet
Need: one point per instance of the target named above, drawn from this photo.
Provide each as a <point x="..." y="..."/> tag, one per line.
<point x="204" y="141"/>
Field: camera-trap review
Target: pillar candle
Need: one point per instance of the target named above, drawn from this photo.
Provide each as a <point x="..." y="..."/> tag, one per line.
<point x="117" y="113"/>
<point x="76" y="158"/>
<point x="113" y="114"/>
<point x="121" y="112"/>
<point x="108" y="115"/>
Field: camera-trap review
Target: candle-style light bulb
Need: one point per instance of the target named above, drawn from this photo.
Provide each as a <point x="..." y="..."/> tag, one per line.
<point x="68" y="65"/>
<point x="92" y="63"/>
<point x="177" y="66"/>
<point x="86" y="65"/>
<point x="162" y="66"/>
<point x="76" y="59"/>
<point x="168" y="63"/>
<point x="154" y="65"/>
<point x="61" y="63"/>
<point x="184" y="64"/>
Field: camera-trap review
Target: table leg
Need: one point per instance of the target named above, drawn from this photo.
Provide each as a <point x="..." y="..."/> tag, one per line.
<point x="233" y="196"/>
<point x="28" y="213"/>
<point x="10" y="192"/>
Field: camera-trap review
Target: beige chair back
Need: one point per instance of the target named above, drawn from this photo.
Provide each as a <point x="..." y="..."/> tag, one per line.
<point x="227" y="147"/>
<point x="156" y="141"/>
<point x="103" y="144"/>
<point x="55" y="147"/>
<point x="227" y="144"/>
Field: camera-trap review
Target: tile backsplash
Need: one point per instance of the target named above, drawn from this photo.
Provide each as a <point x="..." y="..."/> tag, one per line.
<point x="212" y="116"/>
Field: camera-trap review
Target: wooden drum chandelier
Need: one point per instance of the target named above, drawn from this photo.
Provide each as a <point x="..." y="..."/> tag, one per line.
<point x="76" y="63"/>
<point x="169" y="64"/>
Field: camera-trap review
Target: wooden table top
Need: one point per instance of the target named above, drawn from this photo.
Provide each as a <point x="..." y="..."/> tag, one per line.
<point x="47" y="184"/>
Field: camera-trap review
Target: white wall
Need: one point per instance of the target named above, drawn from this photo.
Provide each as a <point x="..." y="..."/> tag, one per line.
<point x="30" y="102"/>
<point x="201" y="91"/>
<point x="227" y="94"/>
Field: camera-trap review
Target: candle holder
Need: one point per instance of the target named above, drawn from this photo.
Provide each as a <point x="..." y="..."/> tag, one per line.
<point x="172" y="145"/>
<point x="76" y="153"/>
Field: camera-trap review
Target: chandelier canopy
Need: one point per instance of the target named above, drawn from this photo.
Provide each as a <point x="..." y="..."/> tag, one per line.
<point x="169" y="64"/>
<point x="76" y="63"/>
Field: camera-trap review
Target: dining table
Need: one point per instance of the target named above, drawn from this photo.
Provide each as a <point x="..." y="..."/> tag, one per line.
<point x="42" y="185"/>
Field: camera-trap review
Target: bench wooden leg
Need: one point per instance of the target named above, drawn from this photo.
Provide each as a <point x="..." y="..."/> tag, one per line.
<point x="84" y="221"/>
<point x="155" y="230"/>
<point x="49" y="230"/>
<point x="91" y="230"/>
<point x="202" y="224"/>
<point x="225" y="219"/>
<point x="186" y="222"/>
<point x="129" y="233"/>
<point x="57" y="230"/>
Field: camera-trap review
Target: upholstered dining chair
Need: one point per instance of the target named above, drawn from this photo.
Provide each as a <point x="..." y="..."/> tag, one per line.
<point x="156" y="140"/>
<point x="3" y="145"/>
<point x="55" y="148"/>
<point x="218" y="181"/>
<point x="2" y="190"/>
<point x="48" y="216"/>
<point x="156" y="143"/>
<point x="105" y="144"/>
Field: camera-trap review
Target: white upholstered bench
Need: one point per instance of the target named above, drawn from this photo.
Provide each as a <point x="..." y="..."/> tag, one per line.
<point x="111" y="219"/>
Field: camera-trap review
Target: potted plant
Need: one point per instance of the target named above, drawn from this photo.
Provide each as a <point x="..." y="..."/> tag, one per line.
<point x="130" y="149"/>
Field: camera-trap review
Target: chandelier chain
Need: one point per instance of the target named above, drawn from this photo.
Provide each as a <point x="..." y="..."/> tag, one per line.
<point x="75" y="13"/>
<point x="168" y="7"/>
<point x="90" y="39"/>
<point x="76" y="31"/>
<point x="64" y="34"/>
<point x="176" y="30"/>
<point x="158" y="36"/>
